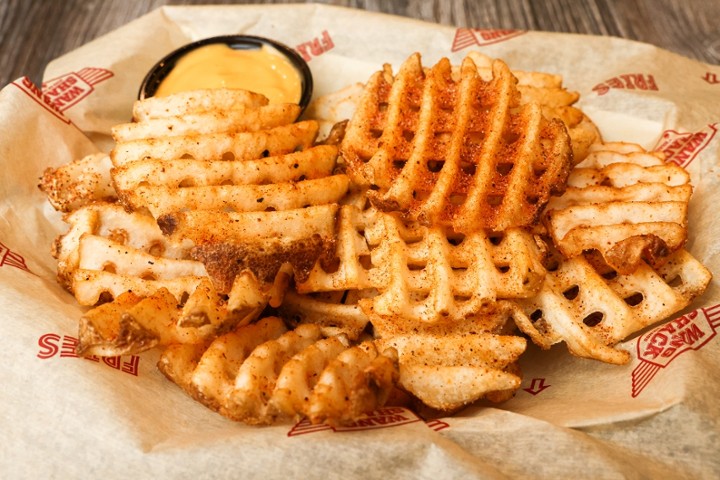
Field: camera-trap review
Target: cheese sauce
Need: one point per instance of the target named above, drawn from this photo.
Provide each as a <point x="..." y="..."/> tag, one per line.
<point x="218" y="66"/>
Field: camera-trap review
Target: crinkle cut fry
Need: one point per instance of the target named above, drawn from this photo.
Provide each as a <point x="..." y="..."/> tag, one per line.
<point x="214" y="146"/>
<point x="594" y="309"/>
<point x="262" y="372"/>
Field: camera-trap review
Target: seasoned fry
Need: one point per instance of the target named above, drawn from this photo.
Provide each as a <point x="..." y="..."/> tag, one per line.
<point x="161" y="200"/>
<point x="261" y="372"/>
<point x="78" y="183"/>
<point x="195" y="101"/>
<point x="547" y="90"/>
<point x="460" y="153"/>
<point x="451" y="365"/>
<point x="133" y="322"/>
<point x="629" y="207"/>
<point x="402" y="252"/>
<point x="245" y="120"/>
<point x="424" y="274"/>
<point x="219" y="146"/>
<point x="312" y="163"/>
<point x="591" y="307"/>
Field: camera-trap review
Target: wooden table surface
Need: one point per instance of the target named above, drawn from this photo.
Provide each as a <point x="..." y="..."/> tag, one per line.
<point x="33" y="32"/>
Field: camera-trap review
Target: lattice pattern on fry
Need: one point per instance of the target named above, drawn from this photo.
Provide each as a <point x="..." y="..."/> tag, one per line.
<point x="214" y="146"/>
<point x="147" y="314"/>
<point x="210" y="125"/>
<point x="591" y="307"/>
<point x="424" y="274"/>
<point x="262" y="242"/>
<point x="78" y="183"/>
<point x="196" y="101"/>
<point x="311" y="163"/>
<point x="112" y="223"/>
<point x="108" y="252"/>
<point x="211" y="121"/>
<point x="628" y="206"/>
<point x="461" y="152"/>
<point x="270" y="213"/>
<point x="547" y="90"/>
<point x="334" y="312"/>
<point x="452" y="364"/>
<point x="262" y="371"/>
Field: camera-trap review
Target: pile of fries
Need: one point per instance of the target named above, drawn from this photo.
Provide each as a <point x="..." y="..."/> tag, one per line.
<point x="407" y="256"/>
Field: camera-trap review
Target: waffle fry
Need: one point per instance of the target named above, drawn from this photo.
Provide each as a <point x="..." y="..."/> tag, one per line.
<point x="112" y="222"/>
<point x="261" y="372"/>
<point x="269" y="213"/>
<point x="460" y="153"/>
<point x="228" y="243"/>
<point x="241" y="198"/>
<point x="591" y="307"/>
<point x="334" y="312"/>
<point x="147" y="316"/>
<point x="452" y="364"/>
<point x="405" y="263"/>
<point x="229" y="121"/>
<point x="213" y="146"/>
<point x="210" y="125"/>
<point x="78" y="183"/>
<point x="311" y="163"/>
<point x="557" y="102"/>
<point x="196" y="101"/>
<point x="425" y="274"/>
<point x="628" y="206"/>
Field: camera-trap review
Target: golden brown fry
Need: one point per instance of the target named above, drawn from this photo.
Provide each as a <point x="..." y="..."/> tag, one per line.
<point x="591" y="307"/>
<point x="547" y="90"/>
<point x="334" y="312"/>
<point x="196" y="101"/>
<point x="219" y="146"/>
<point x="463" y="153"/>
<point x="628" y="206"/>
<point x="453" y="364"/>
<point x="232" y="121"/>
<point x="425" y="274"/>
<point x="133" y="322"/>
<point x="261" y="372"/>
<point x="111" y="222"/>
<point x="79" y="183"/>
<point x="312" y="163"/>
<point x="161" y="200"/>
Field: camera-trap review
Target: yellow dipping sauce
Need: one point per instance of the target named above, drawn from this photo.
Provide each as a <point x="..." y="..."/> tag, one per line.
<point x="262" y="71"/>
